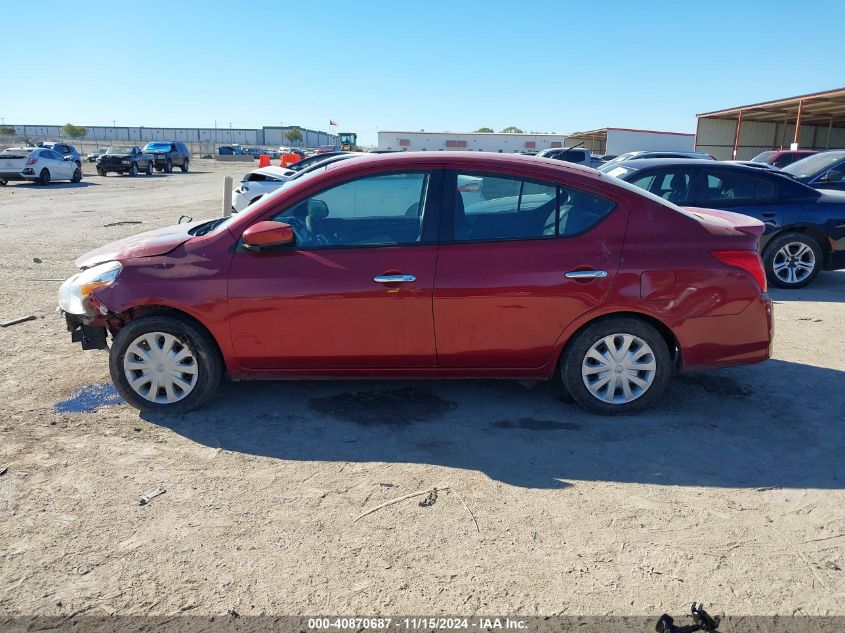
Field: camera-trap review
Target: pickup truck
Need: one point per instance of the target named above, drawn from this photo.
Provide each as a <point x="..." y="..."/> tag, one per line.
<point x="577" y="155"/>
<point x="124" y="159"/>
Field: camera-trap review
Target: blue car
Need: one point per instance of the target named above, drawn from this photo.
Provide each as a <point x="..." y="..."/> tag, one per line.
<point x="805" y="227"/>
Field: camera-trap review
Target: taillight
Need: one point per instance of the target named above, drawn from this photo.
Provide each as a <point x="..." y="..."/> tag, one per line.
<point x="749" y="261"/>
<point x="32" y="161"/>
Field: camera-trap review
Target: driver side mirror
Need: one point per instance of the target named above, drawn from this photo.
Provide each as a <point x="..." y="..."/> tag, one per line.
<point x="268" y="234"/>
<point x="68" y="157"/>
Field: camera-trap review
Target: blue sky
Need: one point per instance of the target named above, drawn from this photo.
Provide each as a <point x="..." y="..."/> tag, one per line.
<point x="435" y="65"/>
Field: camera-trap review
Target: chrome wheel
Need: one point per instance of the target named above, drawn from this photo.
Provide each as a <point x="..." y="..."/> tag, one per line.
<point x="619" y="368"/>
<point x="160" y="368"/>
<point x="794" y="262"/>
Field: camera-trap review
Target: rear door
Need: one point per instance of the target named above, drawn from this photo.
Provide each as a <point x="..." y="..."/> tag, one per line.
<point x="517" y="266"/>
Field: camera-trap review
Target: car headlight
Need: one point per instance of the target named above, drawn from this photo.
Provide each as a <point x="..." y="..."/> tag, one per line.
<point x="73" y="293"/>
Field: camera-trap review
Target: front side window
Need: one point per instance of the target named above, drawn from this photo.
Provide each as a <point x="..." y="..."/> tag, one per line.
<point x="385" y="210"/>
<point x="489" y="208"/>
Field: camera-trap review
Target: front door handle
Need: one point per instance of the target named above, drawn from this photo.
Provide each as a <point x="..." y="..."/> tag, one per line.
<point x="394" y="279"/>
<point x="586" y="274"/>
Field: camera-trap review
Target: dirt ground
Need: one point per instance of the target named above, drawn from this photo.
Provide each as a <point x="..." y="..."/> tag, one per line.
<point x="730" y="493"/>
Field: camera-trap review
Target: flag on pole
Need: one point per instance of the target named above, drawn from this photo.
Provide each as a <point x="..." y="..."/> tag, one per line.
<point x="332" y="123"/>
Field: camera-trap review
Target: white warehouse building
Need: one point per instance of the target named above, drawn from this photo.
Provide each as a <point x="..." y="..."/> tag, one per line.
<point x="467" y="141"/>
<point x="618" y="140"/>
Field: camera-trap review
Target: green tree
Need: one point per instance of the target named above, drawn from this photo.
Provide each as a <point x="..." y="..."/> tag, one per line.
<point x="512" y="129"/>
<point x="7" y="131"/>
<point x="485" y="129"/>
<point x="293" y="135"/>
<point x="74" y="131"/>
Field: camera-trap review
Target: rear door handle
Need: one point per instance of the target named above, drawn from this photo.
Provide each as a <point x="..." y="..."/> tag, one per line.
<point x="394" y="279"/>
<point x="586" y="274"/>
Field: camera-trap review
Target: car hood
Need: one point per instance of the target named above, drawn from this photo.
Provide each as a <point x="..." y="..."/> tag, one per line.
<point x="113" y="155"/>
<point x="157" y="242"/>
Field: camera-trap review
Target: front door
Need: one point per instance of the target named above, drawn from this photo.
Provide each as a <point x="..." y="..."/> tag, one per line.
<point x="519" y="262"/>
<point x="356" y="289"/>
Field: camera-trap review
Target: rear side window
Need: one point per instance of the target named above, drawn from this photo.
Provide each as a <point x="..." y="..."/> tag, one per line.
<point x="489" y="207"/>
<point x="734" y="188"/>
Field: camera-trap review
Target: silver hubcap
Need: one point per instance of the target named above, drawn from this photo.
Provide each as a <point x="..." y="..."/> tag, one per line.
<point x="160" y="367"/>
<point x="794" y="262"/>
<point x="619" y="368"/>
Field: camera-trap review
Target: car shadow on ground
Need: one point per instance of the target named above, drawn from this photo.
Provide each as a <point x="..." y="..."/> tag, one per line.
<point x="751" y="427"/>
<point x="827" y="286"/>
<point x="52" y="186"/>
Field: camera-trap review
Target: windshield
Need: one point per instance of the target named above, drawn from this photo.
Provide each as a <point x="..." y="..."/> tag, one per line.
<point x="813" y="165"/>
<point x="120" y="149"/>
<point x="164" y="146"/>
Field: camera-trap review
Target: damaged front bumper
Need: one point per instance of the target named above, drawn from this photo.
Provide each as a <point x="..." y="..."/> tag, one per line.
<point x="87" y="335"/>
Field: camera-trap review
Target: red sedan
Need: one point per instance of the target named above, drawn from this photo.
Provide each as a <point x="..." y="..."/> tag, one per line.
<point x="430" y="265"/>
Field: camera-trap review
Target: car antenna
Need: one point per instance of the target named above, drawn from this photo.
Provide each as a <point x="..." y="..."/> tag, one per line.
<point x="569" y="148"/>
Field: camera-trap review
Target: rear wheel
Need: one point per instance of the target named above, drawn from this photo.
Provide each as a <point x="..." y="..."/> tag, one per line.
<point x="44" y="177"/>
<point x="77" y="175"/>
<point x="165" y="364"/>
<point x="792" y="260"/>
<point x="185" y="167"/>
<point x="617" y="365"/>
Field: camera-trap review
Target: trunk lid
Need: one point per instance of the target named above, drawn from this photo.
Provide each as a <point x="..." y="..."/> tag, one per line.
<point x="149" y="244"/>
<point x="727" y="223"/>
<point x="13" y="160"/>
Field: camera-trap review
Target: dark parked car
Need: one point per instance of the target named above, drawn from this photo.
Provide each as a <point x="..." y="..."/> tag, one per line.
<point x="93" y="156"/>
<point x="64" y="150"/>
<point x="643" y="155"/>
<point x="805" y="228"/>
<point x="782" y="158"/>
<point x="169" y="154"/>
<point x="825" y="170"/>
<point x="124" y="159"/>
<point x="545" y="270"/>
<point x="305" y="163"/>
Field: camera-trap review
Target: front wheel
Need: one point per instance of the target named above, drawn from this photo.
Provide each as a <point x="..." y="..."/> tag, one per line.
<point x="3" y="183"/>
<point x="165" y="364"/>
<point x="792" y="260"/>
<point x="616" y="365"/>
<point x="77" y="175"/>
<point x="133" y="169"/>
<point x="102" y="172"/>
<point x="168" y="166"/>
<point x="149" y="170"/>
<point x="185" y="167"/>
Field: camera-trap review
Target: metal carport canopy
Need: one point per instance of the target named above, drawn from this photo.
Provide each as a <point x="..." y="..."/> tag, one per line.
<point x="825" y="108"/>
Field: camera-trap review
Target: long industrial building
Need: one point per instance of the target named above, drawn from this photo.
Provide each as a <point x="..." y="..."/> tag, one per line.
<point x="467" y="141"/>
<point x="810" y="121"/>
<point x="266" y="136"/>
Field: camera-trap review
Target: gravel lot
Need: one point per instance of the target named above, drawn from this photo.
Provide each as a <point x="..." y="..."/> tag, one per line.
<point x="731" y="493"/>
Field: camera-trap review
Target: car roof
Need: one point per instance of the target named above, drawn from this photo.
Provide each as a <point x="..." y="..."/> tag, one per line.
<point x="645" y="163"/>
<point x="467" y="160"/>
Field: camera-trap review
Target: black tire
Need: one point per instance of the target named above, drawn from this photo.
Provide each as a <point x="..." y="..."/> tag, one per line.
<point x="791" y="253"/>
<point x="77" y="175"/>
<point x="102" y="172"/>
<point x="202" y="346"/>
<point x="44" y="177"/>
<point x="574" y="357"/>
<point x="133" y="169"/>
<point x="168" y="166"/>
<point x="3" y="183"/>
<point x="149" y="169"/>
<point x="185" y="167"/>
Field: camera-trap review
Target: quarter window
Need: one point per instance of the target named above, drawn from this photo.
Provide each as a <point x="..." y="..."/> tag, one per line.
<point x="495" y="208"/>
<point x="375" y="211"/>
